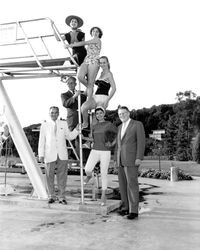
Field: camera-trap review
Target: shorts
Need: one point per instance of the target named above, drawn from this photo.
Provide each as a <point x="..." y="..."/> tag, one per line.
<point x="100" y="99"/>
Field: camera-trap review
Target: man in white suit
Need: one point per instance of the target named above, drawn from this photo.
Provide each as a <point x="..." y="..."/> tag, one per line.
<point x="52" y="150"/>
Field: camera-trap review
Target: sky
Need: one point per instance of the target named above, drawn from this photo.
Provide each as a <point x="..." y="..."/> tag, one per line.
<point x="153" y="47"/>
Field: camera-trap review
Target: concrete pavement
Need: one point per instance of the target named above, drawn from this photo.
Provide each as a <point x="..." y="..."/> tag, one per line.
<point x="169" y="219"/>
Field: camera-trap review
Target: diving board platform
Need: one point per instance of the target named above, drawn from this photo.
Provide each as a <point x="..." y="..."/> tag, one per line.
<point x="33" y="64"/>
<point x="27" y="52"/>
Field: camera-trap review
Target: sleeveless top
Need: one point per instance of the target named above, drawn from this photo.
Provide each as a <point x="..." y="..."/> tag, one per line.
<point x="79" y="51"/>
<point x="93" y="52"/>
<point x="79" y="36"/>
<point x="103" y="87"/>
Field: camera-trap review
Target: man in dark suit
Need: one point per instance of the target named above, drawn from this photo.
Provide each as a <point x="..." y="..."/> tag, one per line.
<point x="128" y="155"/>
<point x="70" y="102"/>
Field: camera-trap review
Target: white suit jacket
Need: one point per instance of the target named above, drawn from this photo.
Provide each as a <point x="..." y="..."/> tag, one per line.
<point x="53" y="144"/>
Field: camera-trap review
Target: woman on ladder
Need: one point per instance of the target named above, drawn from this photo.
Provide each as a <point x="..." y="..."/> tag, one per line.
<point x="75" y="35"/>
<point x="89" y="68"/>
<point x="106" y="88"/>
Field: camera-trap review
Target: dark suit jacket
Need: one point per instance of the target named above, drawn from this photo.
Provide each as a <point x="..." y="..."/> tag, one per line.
<point x="132" y="145"/>
<point x="72" y="107"/>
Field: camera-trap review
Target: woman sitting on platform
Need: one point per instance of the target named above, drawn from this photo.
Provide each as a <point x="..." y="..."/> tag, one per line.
<point x="106" y="88"/>
<point x="75" y="35"/>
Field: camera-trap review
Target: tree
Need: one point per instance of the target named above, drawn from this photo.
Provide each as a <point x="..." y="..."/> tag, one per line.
<point x="196" y="114"/>
<point x="196" y="148"/>
<point x="170" y="136"/>
<point x="183" y="151"/>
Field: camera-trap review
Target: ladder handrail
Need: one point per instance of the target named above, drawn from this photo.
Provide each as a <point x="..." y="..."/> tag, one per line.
<point x="31" y="47"/>
<point x="59" y="36"/>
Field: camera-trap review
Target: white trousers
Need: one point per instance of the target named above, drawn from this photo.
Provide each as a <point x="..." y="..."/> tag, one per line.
<point x="104" y="158"/>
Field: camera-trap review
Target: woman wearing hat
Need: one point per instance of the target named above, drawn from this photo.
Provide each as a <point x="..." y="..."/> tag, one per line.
<point x="75" y="35"/>
<point x="89" y="68"/>
<point x="102" y="136"/>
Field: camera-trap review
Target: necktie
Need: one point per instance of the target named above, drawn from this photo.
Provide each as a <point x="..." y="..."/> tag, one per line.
<point x="55" y="128"/>
<point x="122" y="130"/>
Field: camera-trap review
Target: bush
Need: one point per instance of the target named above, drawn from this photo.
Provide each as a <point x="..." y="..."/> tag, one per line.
<point x="155" y="174"/>
<point x="164" y="175"/>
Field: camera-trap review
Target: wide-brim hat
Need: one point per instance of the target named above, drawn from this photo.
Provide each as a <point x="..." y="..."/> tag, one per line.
<point x="79" y="20"/>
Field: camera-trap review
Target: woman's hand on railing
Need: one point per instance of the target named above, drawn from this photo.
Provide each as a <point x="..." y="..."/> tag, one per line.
<point x="66" y="46"/>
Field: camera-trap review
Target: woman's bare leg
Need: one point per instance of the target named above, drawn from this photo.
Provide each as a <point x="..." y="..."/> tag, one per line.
<point x="82" y="73"/>
<point x="92" y="74"/>
<point x="89" y="104"/>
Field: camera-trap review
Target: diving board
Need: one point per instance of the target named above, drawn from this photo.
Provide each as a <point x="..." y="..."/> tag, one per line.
<point x="33" y="64"/>
<point x="46" y="68"/>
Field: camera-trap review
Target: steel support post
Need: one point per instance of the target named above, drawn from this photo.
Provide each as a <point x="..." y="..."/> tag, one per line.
<point x="23" y="147"/>
<point x="80" y="145"/>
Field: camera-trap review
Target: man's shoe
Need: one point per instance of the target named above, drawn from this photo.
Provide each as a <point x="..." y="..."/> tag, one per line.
<point x="51" y="200"/>
<point x="122" y="212"/>
<point x="64" y="202"/>
<point x="132" y="216"/>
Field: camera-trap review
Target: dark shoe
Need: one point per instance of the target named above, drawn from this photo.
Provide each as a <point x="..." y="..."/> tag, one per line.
<point x="85" y="130"/>
<point x="51" y="200"/>
<point x="64" y="202"/>
<point x="122" y="212"/>
<point x="132" y="216"/>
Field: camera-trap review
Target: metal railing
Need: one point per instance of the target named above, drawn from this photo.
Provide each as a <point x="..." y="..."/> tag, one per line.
<point x="24" y="39"/>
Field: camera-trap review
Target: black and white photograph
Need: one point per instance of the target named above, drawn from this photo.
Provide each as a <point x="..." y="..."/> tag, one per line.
<point x="100" y="125"/>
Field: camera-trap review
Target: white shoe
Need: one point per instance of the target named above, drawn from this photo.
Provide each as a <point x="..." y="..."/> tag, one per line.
<point x="84" y="126"/>
<point x="87" y="179"/>
<point x="86" y="145"/>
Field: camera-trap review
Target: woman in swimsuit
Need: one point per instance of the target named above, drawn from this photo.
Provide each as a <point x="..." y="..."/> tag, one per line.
<point x="106" y="88"/>
<point x="90" y="66"/>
